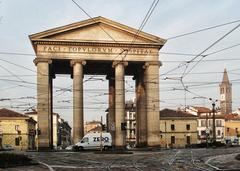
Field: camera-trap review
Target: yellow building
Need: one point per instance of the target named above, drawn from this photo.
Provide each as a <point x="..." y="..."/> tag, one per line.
<point x="177" y="128"/>
<point x="61" y="134"/>
<point x="16" y="130"/>
<point x="232" y="126"/>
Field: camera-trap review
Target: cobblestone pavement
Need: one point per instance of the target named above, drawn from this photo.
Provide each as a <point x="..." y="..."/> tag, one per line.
<point x="159" y="160"/>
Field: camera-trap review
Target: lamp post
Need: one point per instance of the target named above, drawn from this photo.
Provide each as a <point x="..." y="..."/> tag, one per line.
<point x="214" y="126"/>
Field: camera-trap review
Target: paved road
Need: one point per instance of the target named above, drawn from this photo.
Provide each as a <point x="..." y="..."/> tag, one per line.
<point x="161" y="160"/>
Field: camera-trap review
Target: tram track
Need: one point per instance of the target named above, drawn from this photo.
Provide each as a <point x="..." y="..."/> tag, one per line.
<point x="186" y="160"/>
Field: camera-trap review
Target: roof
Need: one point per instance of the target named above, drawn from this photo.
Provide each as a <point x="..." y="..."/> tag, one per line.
<point x="35" y="113"/>
<point x="6" y="114"/>
<point x="10" y="113"/>
<point x="225" y="79"/>
<point x="232" y="117"/>
<point x="92" y="22"/>
<point x="96" y="129"/>
<point x="217" y="116"/>
<point x="93" y="122"/>
<point x="175" y="113"/>
<point x="202" y="109"/>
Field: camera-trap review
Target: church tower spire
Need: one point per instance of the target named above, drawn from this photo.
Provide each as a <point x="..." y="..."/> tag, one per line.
<point x="225" y="94"/>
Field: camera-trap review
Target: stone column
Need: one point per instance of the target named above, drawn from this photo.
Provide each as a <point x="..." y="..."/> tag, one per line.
<point x="78" y="121"/>
<point x="111" y="108"/>
<point x="44" y="108"/>
<point x="51" y="106"/>
<point x="119" y="103"/>
<point x="141" y="113"/>
<point x="151" y="78"/>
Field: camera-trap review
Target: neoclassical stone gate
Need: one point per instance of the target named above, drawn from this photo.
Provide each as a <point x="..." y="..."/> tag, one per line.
<point x="100" y="46"/>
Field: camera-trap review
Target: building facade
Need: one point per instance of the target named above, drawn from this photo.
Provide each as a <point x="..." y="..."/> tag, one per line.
<point x="64" y="134"/>
<point x="232" y="126"/>
<point x="178" y="129"/>
<point x="205" y="128"/>
<point x="130" y="119"/>
<point x="225" y="94"/>
<point x="205" y="124"/>
<point x="56" y="128"/>
<point x="17" y="130"/>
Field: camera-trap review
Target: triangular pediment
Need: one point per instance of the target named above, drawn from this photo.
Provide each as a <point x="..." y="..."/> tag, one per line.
<point x="97" y="29"/>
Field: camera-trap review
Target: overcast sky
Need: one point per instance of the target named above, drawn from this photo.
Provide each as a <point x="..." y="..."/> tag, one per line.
<point x="20" y="18"/>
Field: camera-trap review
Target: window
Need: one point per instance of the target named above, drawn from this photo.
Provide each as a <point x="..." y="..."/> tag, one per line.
<point x="210" y="123"/>
<point x="172" y="139"/>
<point x="222" y="90"/>
<point x="17" y="141"/>
<point x="203" y="132"/>
<point x="236" y="129"/>
<point x="172" y="127"/>
<point x="228" y="129"/>
<point x="218" y="123"/>
<point x="16" y="127"/>
<point x="188" y="140"/>
<point x="84" y="140"/>
<point x="161" y="136"/>
<point x="218" y="132"/>
<point x="203" y="123"/>
<point x="210" y="132"/>
<point x="188" y="127"/>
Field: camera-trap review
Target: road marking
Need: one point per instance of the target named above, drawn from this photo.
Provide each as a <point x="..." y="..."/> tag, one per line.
<point x="207" y="162"/>
<point x="171" y="162"/>
<point x="49" y="167"/>
<point x="193" y="162"/>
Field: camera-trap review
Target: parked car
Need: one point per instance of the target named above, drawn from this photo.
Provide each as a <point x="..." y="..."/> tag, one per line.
<point x="7" y="147"/>
<point x="70" y="147"/>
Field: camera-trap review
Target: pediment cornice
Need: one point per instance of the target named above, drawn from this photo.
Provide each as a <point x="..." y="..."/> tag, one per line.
<point x="45" y="35"/>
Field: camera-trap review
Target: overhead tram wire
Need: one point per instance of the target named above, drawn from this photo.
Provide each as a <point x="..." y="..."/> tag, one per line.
<point x="11" y="73"/>
<point x="204" y="29"/>
<point x="146" y="18"/>
<point x="17" y="65"/>
<point x="183" y="63"/>
<point x="213" y="44"/>
<point x="185" y="72"/>
<point x="85" y="12"/>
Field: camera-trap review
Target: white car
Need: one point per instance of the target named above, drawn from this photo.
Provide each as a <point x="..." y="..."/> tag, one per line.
<point x="94" y="141"/>
<point x="70" y="147"/>
<point x="7" y="147"/>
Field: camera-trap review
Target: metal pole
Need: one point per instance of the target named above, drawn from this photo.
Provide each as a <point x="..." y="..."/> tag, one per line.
<point x="101" y="145"/>
<point x="214" y="126"/>
<point x="166" y="134"/>
<point x="207" y="131"/>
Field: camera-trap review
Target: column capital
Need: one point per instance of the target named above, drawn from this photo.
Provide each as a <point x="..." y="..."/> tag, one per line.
<point x="74" y="61"/>
<point x="115" y="63"/>
<point x="37" y="60"/>
<point x="147" y="64"/>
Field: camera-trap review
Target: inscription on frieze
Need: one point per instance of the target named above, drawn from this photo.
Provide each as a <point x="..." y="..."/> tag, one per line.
<point x="97" y="50"/>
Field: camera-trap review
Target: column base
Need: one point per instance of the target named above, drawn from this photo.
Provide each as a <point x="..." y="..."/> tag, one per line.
<point x="142" y="145"/>
<point x="44" y="149"/>
<point x="119" y="148"/>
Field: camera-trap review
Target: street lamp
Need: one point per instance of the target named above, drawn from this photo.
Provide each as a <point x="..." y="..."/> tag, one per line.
<point x="214" y="126"/>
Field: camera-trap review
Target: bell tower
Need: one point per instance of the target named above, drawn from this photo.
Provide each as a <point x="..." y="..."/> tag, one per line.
<point x="225" y="94"/>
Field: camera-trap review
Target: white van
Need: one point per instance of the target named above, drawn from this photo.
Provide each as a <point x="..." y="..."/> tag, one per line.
<point x="92" y="141"/>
